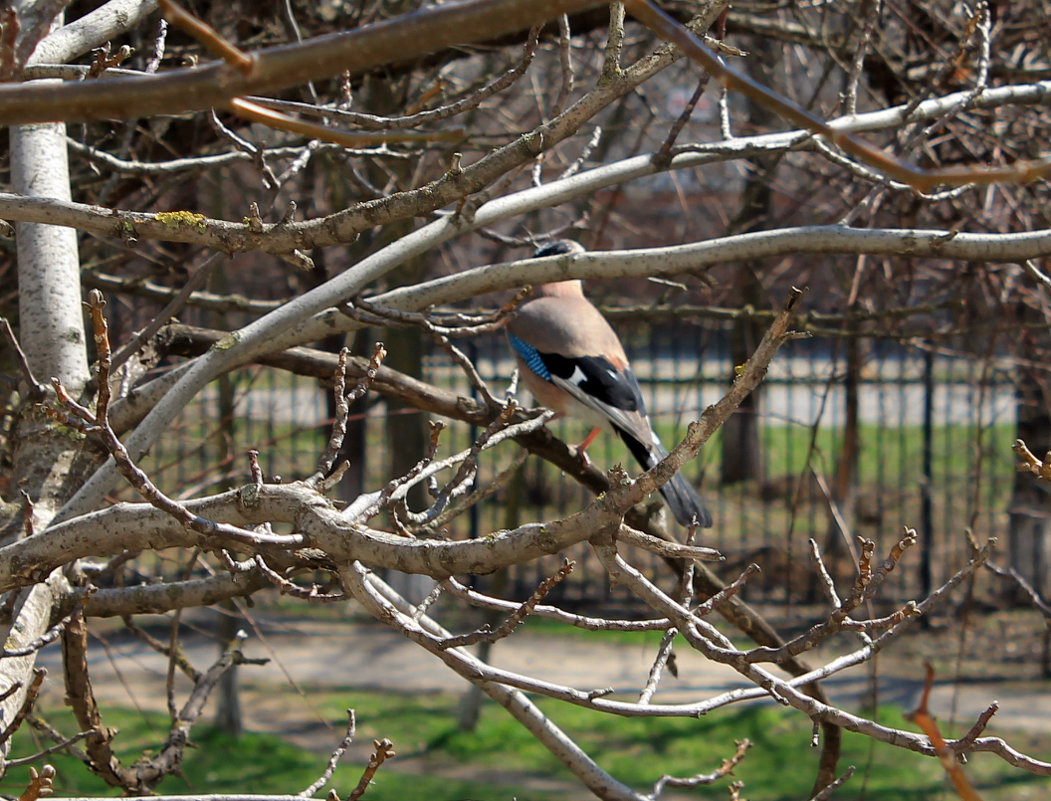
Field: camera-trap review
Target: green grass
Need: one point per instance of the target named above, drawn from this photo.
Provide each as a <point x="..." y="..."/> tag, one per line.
<point x="779" y="767"/>
<point x="270" y="765"/>
<point x="254" y="763"/>
<point x="891" y="455"/>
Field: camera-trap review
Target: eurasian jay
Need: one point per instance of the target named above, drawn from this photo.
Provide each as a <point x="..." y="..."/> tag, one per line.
<point x="574" y="364"/>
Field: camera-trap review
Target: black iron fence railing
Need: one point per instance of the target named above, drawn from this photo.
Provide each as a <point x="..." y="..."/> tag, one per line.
<point x="848" y="438"/>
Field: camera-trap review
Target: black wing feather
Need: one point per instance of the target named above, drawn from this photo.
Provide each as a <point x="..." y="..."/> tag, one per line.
<point x="597" y="377"/>
<point x="686" y="505"/>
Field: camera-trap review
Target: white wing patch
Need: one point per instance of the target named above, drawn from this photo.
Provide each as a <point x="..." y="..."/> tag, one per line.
<point x="594" y="411"/>
<point x="578" y="377"/>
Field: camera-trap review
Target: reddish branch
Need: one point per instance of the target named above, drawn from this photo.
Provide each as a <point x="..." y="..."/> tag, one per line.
<point x="946" y="754"/>
<point x="883" y="162"/>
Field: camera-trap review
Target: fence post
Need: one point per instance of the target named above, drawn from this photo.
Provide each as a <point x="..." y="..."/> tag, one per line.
<point x="926" y="509"/>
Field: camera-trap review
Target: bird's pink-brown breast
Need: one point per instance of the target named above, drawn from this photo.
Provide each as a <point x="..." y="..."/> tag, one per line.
<point x="561" y="321"/>
<point x="567" y="325"/>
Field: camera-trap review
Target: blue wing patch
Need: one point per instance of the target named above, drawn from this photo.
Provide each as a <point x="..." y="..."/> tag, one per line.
<point x="531" y="356"/>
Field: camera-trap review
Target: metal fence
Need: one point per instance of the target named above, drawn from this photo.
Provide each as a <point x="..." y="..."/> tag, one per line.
<point x="933" y="430"/>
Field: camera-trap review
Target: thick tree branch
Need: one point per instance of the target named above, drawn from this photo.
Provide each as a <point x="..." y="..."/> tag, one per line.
<point x="215" y="83"/>
<point x="345" y="225"/>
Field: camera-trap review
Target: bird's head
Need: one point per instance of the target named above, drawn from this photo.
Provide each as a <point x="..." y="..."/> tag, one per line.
<point x="559" y="247"/>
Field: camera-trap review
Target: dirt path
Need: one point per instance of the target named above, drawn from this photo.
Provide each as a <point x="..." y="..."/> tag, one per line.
<point x="307" y="654"/>
<point x="369" y="656"/>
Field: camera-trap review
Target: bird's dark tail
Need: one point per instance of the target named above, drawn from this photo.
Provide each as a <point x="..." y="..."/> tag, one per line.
<point x="685" y="504"/>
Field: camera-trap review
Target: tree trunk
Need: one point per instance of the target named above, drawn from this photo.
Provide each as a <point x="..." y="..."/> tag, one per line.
<point x="51" y="330"/>
<point x="741" y="448"/>
<point x="1029" y="519"/>
<point x="845" y="481"/>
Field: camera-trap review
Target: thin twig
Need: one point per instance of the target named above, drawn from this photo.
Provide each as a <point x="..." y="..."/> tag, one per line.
<point x="158" y="47"/>
<point x="372" y="122"/>
<point x="343" y="401"/>
<point x="196" y="281"/>
<point x="36" y="389"/>
<point x="663" y="155"/>
<point x="333" y="760"/>
<point x="64" y="745"/>
<point x="52" y="633"/>
<point x="565" y="62"/>
<point x="1024" y="584"/>
<point x="384" y="750"/>
<point x="726" y="769"/>
<point x="27" y="704"/>
<point x="587" y="623"/>
<point x="485" y="634"/>
<point x="313" y="593"/>
<point x="827" y="791"/>
<point x="491" y="487"/>
<point x="208" y="36"/>
<point x="177" y="654"/>
<point x="673" y="550"/>
<point x="664" y="652"/>
<point x="727" y="592"/>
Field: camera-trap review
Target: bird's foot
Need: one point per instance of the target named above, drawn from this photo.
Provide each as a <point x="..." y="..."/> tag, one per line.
<point x="582" y="448"/>
<point x="584" y="458"/>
